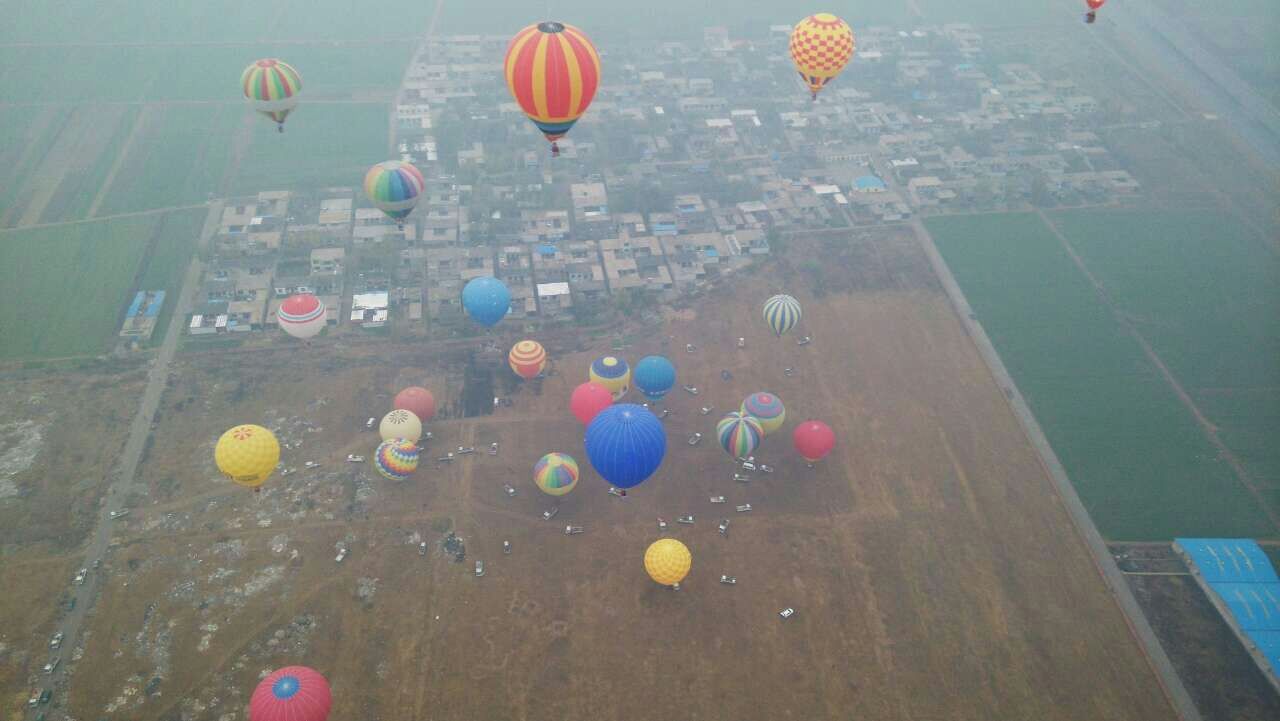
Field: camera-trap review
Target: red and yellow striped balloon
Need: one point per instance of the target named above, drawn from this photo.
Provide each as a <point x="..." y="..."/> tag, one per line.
<point x="821" y="45"/>
<point x="527" y="358"/>
<point x="552" y="71"/>
<point x="272" y="87"/>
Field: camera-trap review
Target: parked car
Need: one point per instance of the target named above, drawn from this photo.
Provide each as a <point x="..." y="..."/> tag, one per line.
<point x="56" y="641"/>
<point x="729" y="580"/>
<point x="508" y="489"/>
<point x="686" y="520"/>
<point x="691" y="390"/>
<point x="53" y="664"/>
<point x="550" y="513"/>
<point x="693" y="439"/>
<point x="117" y="514"/>
<point x="744" y="508"/>
<point x="479" y="569"/>
<point x="354" y="458"/>
<point x="787" y="612"/>
<point x="717" y="499"/>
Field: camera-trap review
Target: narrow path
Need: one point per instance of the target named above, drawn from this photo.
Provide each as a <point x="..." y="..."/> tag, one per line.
<point x="1163" y="669"/>
<point x="138" y="124"/>
<point x="1207" y="426"/>
<point x="99" y="219"/>
<point x="121" y="479"/>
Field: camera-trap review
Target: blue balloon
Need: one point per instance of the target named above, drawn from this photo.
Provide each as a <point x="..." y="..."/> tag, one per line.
<point x="626" y="444"/>
<point x="486" y="299"/>
<point x="654" y="376"/>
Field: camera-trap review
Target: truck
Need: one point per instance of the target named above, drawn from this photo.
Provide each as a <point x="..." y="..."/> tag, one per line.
<point x="744" y="508"/>
<point x="691" y="390"/>
<point x="615" y="492"/>
<point x="686" y="520"/>
<point x="52" y="664"/>
<point x="117" y="514"/>
<point x="573" y="530"/>
<point x="550" y="513"/>
<point x="351" y="458"/>
<point x="506" y="548"/>
<point x="729" y="580"/>
<point x="717" y="499"/>
<point x="741" y="478"/>
<point x="56" y="641"/>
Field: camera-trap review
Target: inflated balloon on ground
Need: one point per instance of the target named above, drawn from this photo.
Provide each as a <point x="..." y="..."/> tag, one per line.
<point x="667" y="561"/>
<point x="555" y="474"/>
<point x="418" y="401"/>
<point x="247" y="454"/>
<point x="626" y="444"/>
<point x="400" y="424"/>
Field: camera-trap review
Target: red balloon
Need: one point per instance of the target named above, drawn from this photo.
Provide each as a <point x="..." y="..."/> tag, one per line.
<point x="589" y="399"/>
<point x="813" y="440"/>
<point x="1094" y="4"/>
<point x="417" y="401"/>
<point x="293" y="693"/>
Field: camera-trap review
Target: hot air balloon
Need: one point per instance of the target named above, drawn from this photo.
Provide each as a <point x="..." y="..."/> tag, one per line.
<point x="654" y="376"/>
<point x="556" y="474"/>
<point x="626" y="444"/>
<point x="527" y="358"/>
<point x="613" y="373"/>
<point x="667" y="561"/>
<point x="400" y="424"/>
<point x="739" y="434"/>
<point x="293" y="693"/>
<point x="821" y="45"/>
<point x="271" y="86"/>
<point x="417" y="401"/>
<point x="486" y="299"/>
<point x="781" y="312"/>
<point x="247" y="454"/>
<point x="301" y="315"/>
<point x="813" y="440"/>
<point x="396" y="459"/>
<point x="393" y="187"/>
<point x="767" y="408"/>
<point x="552" y="71"/>
<point x="1093" y="6"/>
<point x="589" y="399"/>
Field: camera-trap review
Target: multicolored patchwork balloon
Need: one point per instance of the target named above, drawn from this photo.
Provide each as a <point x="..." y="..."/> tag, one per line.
<point x="396" y="459"/>
<point x="555" y="474"/>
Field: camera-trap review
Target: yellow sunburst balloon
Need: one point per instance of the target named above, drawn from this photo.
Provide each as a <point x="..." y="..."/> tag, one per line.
<point x="247" y="454"/>
<point x="667" y="561"/>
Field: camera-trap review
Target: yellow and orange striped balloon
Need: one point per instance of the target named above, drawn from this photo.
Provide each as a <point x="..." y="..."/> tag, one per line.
<point x="552" y="71"/>
<point x="527" y="358"/>
<point x="821" y="45"/>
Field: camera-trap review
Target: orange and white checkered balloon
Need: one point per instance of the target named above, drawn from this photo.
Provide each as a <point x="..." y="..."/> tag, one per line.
<point x="821" y="45"/>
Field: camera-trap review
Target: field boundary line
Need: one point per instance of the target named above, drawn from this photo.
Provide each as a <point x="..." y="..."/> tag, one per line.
<point x="1179" y="700"/>
<point x="138" y="122"/>
<point x="1206" y="426"/>
<point x="103" y="218"/>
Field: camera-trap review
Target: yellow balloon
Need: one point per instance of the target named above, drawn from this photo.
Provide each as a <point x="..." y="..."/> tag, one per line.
<point x="400" y="424"/>
<point x="667" y="561"/>
<point x="247" y="454"/>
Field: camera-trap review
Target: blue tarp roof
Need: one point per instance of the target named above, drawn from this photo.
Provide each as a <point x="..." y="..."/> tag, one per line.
<point x="136" y="304"/>
<point x="153" y="310"/>
<point x="547" y="250"/>
<point x="1229" y="560"/>
<point x="868" y="181"/>
<point x="1269" y="643"/>
<point x="1256" y="606"/>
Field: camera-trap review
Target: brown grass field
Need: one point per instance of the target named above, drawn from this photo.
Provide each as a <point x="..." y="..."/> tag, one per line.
<point x="934" y="571"/>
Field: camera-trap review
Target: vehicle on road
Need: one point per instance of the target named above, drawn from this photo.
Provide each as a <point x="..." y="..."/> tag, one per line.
<point x="53" y="664"/>
<point x="787" y="612"/>
<point x="686" y="520"/>
<point x="550" y="513"/>
<point x="729" y="580"/>
<point x="691" y="390"/>
<point x="80" y="576"/>
<point x="354" y="458"/>
<point x="56" y="641"/>
<point x="693" y="439"/>
<point x="717" y="499"/>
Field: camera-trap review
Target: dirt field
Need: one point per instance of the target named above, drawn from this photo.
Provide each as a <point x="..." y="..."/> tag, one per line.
<point x="932" y="568"/>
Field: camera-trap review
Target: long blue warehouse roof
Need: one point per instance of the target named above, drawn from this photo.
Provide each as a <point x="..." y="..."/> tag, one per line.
<point x="1229" y="560"/>
<point x="136" y="304"/>
<point x="1269" y="643"/>
<point x="153" y="310"/>
<point x="1256" y="606"/>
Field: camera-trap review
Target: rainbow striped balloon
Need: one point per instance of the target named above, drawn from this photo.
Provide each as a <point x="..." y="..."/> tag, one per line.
<point x="767" y="408"/>
<point x="394" y="187"/>
<point x="552" y="71"/>
<point x="527" y="358"/>
<point x="396" y="459"/>
<point x="556" y="474"/>
<point x="271" y="86"/>
<point x="781" y="312"/>
<point x="739" y="434"/>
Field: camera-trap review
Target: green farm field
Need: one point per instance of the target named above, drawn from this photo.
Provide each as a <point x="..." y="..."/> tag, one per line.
<point x="1140" y="462"/>
<point x="74" y="280"/>
<point x="1203" y="290"/>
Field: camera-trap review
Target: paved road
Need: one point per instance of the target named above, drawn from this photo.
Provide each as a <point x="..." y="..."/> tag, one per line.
<point x="1106" y="565"/>
<point x="126" y="470"/>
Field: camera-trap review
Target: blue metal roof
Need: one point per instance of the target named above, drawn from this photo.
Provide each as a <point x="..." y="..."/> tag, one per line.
<point x="1269" y="644"/>
<point x="546" y="250"/>
<point x="868" y="182"/>
<point x="1229" y="560"/>
<point x="136" y="304"/>
<point x="153" y="310"/>
<point x="1256" y="606"/>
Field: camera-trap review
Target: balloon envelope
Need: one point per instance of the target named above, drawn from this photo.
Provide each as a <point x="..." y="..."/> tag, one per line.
<point x="813" y="440"/>
<point x="527" y="359"/>
<point x="613" y="373"/>
<point x="589" y="399"/>
<point x="418" y="401"/>
<point x="821" y="45"/>
<point x="767" y="408"/>
<point x="247" y="454"/>
<point x="293" y="693"/>
<point x="393" y="187"/>
<point x="654" y="376"/>
<point x="739" y="434"/>
<point x="781" y="312"/>
<point x="400" y="424"/>
<point x="271" y="86"/>
<point x="667" y="561"/>
<point x="555" y="474"/>
<point x="552" y="71"/>
<point x="301" y="315"/>
<point x="486" y="299"/>
<point x="1095" y="4"/>
<point x="626" y="444"/>
<point x="396" y="459"/>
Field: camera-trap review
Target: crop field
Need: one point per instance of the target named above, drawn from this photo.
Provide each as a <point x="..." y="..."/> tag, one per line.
<point x="930" y="534"/>
<point x="74" y="280"/>
<point x="1141" y="464"/>
<point x="1203" y="290"/>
